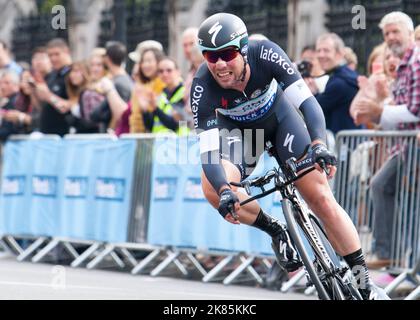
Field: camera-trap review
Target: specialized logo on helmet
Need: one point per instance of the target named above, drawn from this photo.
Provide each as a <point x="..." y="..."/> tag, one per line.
<point x="215" y="31"/>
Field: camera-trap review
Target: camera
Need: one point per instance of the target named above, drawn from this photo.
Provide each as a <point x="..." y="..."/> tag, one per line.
<point x="305" y="68"/>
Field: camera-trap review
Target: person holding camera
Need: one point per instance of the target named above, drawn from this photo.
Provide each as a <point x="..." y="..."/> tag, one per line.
<point x="309" y="67"/>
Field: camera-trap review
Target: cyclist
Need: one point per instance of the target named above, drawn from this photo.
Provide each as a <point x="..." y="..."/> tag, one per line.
<point x="249" y="93"/>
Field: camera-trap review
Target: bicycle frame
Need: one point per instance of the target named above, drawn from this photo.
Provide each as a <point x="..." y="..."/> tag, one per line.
<point x="326" y="275"/>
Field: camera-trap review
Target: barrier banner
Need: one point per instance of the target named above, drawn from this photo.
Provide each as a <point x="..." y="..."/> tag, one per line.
<point x="67" y="188"/>
<point x="96" y="198"/>
<point x="181" y="216"/>
<point x="29" y="197"/>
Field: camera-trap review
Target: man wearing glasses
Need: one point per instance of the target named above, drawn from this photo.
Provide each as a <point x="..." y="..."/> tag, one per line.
<point x="249" y="93"/>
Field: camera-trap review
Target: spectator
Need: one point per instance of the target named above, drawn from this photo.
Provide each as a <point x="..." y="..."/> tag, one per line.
<point x="115" y="57"/>
<point x="375" y="63"/>
<point x="165" y="117"/>
<point x="417" y="35"/>
<point x="145" y="93"/>
<point x="26" y="114"/>
<point x="341" y="87"/>
<point x="114" y="60"/>
<point x="137" y="54"/>
<point x="6" y="62"/>
<point x="377" y="87"/>
<point x="9" y="88"/>
<point x="41" y="64"/>
<point x="189" y="40"/>
<point x="309" y="67"/>
<point x="83" y="99"/>
<point x="402" y="114"/>
<point x="97" y="67"/>
<point x="309" y="54"/>
<point x="52" y="93"/>
<point x="351" y="58"/>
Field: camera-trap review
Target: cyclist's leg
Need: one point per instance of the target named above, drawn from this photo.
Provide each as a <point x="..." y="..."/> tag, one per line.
<point x="292" y="140"/>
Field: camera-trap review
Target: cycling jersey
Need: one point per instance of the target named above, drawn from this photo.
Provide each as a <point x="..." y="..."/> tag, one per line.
<point x="272" y="75"/>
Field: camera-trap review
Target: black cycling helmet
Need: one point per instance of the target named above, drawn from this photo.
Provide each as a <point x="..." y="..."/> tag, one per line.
<point x="223" y="30"/>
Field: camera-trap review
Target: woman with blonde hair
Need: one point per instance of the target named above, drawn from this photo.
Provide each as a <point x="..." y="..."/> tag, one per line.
<point x="84" y="98"/>
<point x="417" y="35"/>
<point x="377" y="88"/>
<point x="367" y="86"/>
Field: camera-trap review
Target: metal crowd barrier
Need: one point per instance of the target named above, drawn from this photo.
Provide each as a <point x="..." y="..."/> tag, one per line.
<point x="361" y="154"/>
<point x="135" y="253"/>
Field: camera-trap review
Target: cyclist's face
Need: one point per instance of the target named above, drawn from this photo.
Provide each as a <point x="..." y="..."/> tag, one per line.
<point x="227" y="73"/>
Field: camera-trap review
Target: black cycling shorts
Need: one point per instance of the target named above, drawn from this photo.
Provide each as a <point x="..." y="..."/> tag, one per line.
<point x="284" y="128"/>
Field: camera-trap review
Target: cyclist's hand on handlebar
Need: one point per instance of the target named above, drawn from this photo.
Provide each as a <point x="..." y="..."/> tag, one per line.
<point x="229" y="205"/>
<point x="323" y="159"/>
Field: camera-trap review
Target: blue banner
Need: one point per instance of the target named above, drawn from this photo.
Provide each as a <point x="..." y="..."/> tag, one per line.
<point x="79" y="189"/>
<point x="181" y="216"/>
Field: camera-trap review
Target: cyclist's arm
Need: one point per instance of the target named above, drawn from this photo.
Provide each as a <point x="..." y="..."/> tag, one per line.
<point x="297" y="92"/>
<point x="205" y="124"/>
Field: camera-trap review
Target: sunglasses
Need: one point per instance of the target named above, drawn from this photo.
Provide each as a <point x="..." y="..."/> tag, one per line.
<point x="165" y="70"/>
<point x="226" y="55"/>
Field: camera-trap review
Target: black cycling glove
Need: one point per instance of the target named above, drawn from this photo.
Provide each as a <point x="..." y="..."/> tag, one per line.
<point x="227" y="202"/>
<point x="321" y="155"/>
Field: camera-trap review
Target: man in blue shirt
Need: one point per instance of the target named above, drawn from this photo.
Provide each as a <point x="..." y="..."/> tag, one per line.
<point x="341" y="87"/>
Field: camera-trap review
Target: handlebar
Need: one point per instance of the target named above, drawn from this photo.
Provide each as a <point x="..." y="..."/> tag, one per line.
<point x="291" y="168"/>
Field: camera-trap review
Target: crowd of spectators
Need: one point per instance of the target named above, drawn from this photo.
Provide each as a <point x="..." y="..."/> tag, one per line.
<point x="387" y="98"/>
<point x="56" y="95"/>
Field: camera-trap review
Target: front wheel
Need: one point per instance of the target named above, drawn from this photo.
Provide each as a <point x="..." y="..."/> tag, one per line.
<point x="311" y="269"/>
<point x="339" y="284"/>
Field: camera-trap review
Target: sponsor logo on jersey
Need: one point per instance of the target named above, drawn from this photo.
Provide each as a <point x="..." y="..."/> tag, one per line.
<point x="211" y="123"/>
<point x="256" y="93"/>
<point x="289" y="141"/>
<point x="195" y="101"/>
<point x="254" y="108"/>
<point x="270" y="55"/>
<point x="224" y="103"/>
<point x="239" y="100"/>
